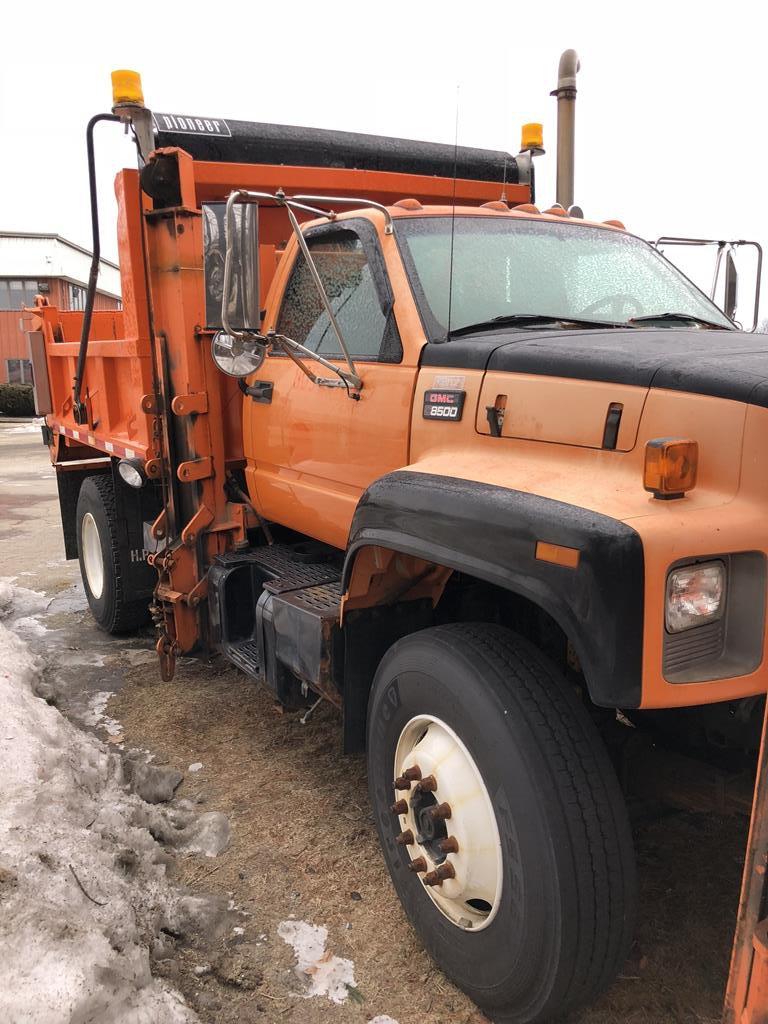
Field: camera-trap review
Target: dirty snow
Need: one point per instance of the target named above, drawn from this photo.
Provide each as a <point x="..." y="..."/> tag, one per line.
<point x="25" y="428"/>
<point x="20" y="601"/>
<point x="97" y="713"/>
<point x="328" y="975"/>
<point x="83" y="881"/>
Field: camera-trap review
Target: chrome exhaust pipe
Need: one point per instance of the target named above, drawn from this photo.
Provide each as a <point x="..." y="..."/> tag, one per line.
<point x="566" y="125"/>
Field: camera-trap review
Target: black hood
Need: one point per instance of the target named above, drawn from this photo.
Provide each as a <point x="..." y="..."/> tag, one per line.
<point x="723" y="364"/>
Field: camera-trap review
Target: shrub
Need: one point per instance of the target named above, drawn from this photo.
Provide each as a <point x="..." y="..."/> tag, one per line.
<point x="16" y="400"/>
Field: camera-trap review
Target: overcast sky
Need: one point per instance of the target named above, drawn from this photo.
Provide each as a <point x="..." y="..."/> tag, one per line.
<point x="671" y="130"/>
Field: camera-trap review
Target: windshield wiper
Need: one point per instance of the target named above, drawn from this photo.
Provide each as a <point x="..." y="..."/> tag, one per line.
<point x="682" y="318"/>
<point x="529" y="320"/>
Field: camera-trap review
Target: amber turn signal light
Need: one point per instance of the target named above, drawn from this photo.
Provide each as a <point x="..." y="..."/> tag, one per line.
<point x="670" y="467"/>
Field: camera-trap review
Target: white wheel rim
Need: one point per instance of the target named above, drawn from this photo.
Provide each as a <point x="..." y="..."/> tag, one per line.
<point x="93" y="563"/>
<point x="430" y="746"/>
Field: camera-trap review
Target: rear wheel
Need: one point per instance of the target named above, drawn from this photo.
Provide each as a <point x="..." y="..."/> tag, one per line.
<point x="501" y="820"/>
<point x="103" y="560"/>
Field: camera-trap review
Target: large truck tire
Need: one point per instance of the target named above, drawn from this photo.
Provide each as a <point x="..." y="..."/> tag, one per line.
<point x="525" y="891"/>
<point x="103" y="559"/>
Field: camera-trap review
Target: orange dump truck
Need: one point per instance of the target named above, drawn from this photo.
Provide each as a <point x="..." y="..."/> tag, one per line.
<point x="489" y="479"/>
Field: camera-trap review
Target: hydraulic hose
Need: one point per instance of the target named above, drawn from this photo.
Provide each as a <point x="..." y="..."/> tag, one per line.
<point x="79" y="409"/>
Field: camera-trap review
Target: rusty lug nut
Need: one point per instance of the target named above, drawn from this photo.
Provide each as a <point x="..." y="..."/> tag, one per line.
<point x="418" y="864"/>
<point x="449" y="845"/>
<point x="405" y="838"/>
<point x="438" y="876"/>
<point x="413" y="774"/>
<point x="440" y="812"/>
<point x="402" y="783"/>
<point x="427" y="785"/>
<point x="399" y="807"/>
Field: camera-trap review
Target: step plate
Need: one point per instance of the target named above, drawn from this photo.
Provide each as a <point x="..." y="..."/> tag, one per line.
<point x="283" y="569"/>
<point x="245" y="656"/>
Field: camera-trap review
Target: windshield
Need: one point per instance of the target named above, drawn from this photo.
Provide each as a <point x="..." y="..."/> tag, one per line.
<point x="505" y="266"/>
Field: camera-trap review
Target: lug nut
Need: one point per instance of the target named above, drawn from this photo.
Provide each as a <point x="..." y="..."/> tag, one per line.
<point x="399" y="807"/>
<point x="402" y="783"/>
<point x="418" y="864"/>
<point x="449" y="845"/>
<point x="405" y="838"/>
<point x="427" y="785"/>
<point x="437" y="876"/>
<point x="413" y="774"/>
<point x="440" y="812"/>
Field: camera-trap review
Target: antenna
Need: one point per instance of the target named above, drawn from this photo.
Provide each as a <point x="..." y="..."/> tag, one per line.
<point x="453" y="213"/>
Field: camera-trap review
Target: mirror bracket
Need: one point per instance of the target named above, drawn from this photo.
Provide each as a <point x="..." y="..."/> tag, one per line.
<point x="346" y="377"/>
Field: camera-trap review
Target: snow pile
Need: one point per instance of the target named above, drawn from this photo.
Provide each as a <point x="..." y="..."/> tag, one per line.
<point x="83" y="885"/>
<point x="26" y="428"/>
<point x="328" y="975"/>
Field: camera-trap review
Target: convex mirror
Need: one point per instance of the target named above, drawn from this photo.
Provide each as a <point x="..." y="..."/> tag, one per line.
<point x="237" y="357"/>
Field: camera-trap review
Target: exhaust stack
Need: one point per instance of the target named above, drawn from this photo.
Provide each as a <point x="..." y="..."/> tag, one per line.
<point x="566" y="125"/>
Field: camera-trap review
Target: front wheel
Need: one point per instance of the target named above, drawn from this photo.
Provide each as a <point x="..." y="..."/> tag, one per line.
<point x="501" y="820"/>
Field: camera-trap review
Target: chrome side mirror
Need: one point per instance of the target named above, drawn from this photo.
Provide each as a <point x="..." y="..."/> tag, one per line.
<point x="231" y="266"/>
<point x="237" y="356"/>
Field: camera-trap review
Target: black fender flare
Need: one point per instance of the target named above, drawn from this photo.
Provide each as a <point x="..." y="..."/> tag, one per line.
<point x="491" y="533"/>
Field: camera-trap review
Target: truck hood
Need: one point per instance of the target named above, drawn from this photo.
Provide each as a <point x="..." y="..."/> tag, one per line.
<point x="723" y="364"/>
<point x="565" y="381"/>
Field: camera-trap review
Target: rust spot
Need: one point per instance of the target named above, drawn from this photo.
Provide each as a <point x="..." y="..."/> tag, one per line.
<point x="438" y="876"/>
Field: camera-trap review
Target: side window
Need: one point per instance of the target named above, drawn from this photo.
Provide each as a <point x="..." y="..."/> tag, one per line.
<point x="347" y="276"/>
<point x="18" y="371"/>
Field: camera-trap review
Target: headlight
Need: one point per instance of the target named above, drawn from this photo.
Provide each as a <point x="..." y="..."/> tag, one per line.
<point x="695" y="595"/>
<point x="131" y="471"/>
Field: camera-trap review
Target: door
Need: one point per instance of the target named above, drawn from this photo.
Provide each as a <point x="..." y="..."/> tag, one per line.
<point x="313" y="450"/>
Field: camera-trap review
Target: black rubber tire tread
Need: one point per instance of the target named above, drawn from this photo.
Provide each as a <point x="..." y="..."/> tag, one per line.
<point x="589" y="803"/>
<point x="116" y="613"/>
<point x="588" y="800"/>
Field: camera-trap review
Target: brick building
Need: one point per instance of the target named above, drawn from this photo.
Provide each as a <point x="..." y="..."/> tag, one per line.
<point x="33" y="264"/>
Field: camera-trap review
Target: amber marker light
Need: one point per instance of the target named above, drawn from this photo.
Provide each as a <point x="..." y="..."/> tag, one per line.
<point x="126" y="88"/>
<point x="532" y="138"/>
<point x="670" y="469"/>
<point x="558" y="554"/>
